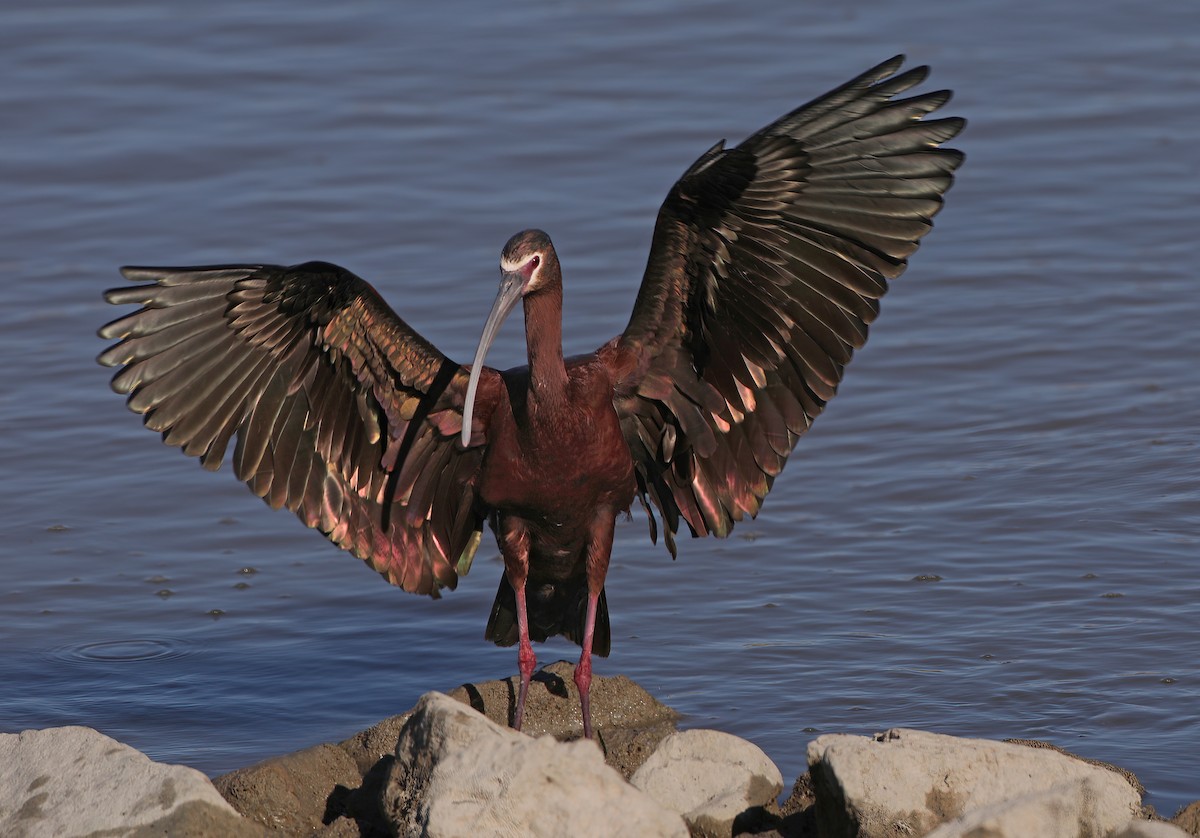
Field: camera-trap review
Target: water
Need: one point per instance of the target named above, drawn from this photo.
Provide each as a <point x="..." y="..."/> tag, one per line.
<point x="992" y="531"/>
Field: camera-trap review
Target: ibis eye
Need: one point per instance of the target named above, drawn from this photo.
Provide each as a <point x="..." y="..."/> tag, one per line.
<point x="535" y="261"/>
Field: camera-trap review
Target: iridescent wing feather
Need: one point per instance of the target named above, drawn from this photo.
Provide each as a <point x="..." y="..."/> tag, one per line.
<point x="766" y="267"/>
<point x="342" y="413"/>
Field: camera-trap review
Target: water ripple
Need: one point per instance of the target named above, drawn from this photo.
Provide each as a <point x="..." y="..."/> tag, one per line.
<point x="129" y="650"/>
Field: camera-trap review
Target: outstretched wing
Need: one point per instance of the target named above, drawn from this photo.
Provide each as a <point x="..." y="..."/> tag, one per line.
<point x="343" y="413"/>
<point x="767" y="265"/>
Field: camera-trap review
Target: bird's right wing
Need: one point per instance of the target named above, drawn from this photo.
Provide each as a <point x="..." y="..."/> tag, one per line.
<point x="343" y="413"/>
<point x="767" y="265"/>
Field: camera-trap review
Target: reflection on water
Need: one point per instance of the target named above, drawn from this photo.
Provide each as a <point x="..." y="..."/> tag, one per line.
<point x="992" y="531"/>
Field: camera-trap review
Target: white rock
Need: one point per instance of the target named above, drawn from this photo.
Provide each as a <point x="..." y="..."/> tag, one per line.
<point x="1062" y="811"/>
<point x="76" y="781"/>
<point x="709" y="777"/>
<point x="459" y="774"/>
<point x="1150" y="829"/>
<point x="909" y="782"/>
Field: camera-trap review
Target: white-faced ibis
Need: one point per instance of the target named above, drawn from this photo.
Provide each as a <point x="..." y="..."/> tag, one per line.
<point x="767" y="264"/>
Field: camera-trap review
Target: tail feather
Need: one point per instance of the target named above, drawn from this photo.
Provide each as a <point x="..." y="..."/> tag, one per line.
<point x="553" y="609"/>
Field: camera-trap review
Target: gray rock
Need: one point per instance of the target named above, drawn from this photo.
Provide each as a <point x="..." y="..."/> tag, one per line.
<point x="1150" y="829"/>
<point x="710" y="778"/>
<point x="458" y="773"/>
<point x="77" y="781"/>
<point x="909" y="782"/>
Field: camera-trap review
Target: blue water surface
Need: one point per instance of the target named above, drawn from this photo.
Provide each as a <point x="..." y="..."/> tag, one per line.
<point x="992" y="532"/>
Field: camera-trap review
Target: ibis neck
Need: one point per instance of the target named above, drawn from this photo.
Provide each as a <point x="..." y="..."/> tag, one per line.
<point x="543" y="337"/>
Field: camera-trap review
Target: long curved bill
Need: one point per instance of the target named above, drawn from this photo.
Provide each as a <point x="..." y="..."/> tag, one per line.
<point x="511" y="284"/>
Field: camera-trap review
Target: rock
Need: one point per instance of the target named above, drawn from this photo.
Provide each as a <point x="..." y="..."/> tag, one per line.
<point x="909" y="782"/>
<point x="1150" y="829"/>
<point x="77" y="781"/>
<point x="1129" y="776"/>
<point x="299" y="793"/>
<point x="458" y="773"/>
<point x="628" y="722"/>
<point x="317" y="789"/>
<point x="1061" y="811"/>
<point x="197" y="820"/>
<point x="626" y="749"/>
<point x="552" y="706"/>
<point x="797" y="814"/>
<point x="1188" y="819"/>
<point x="710" y="778"/>
<point x="368" y="747"/>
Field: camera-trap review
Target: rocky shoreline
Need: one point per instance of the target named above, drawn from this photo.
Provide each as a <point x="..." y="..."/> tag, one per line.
<point x="452" y="767"/>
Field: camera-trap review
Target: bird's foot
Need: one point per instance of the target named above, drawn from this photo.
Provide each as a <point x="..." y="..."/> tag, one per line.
<point x="583" y="680"/>
<point x="526" y="661"/>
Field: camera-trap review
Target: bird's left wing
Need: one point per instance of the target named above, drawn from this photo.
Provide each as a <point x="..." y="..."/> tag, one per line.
<point x="343" y="413"/>
<point x="767" y="265"/>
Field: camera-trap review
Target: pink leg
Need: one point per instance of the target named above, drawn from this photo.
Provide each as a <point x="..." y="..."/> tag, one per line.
<point x="583" y="671"/>
<point x="513" y="538"/>
<point x="598" y="551"/>
<point x="526" y="659"/>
